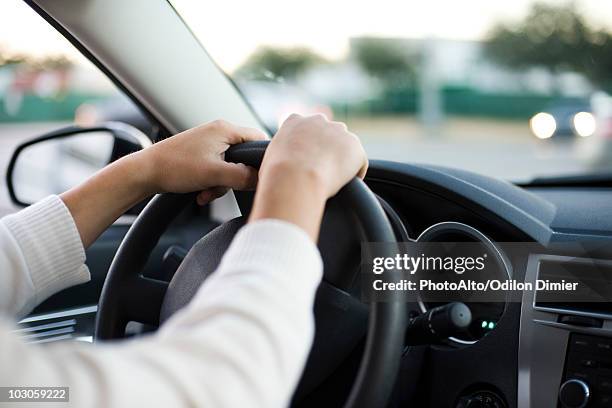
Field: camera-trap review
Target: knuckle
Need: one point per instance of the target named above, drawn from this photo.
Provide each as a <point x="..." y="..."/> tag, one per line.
<point x="216" y="172"/>
<point x="319" y="117"/>
<point x="340" y="125"/>
<point x="293" y="117"/>
<point x="245" y="183"/>
<point x="247" y="179"/>
<point x="354" y="139"/>
<point x="218" y="124"/>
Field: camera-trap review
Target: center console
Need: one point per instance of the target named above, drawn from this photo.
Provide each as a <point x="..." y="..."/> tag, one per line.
<point x="565" y="348"/>
<point x="587" y="378"/>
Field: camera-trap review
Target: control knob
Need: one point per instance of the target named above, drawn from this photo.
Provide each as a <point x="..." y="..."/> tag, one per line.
<point x="574" y="393"/>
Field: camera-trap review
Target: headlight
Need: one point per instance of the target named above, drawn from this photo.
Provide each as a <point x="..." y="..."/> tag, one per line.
<point x="584" y="124"/>
<point x="543" y="125"/>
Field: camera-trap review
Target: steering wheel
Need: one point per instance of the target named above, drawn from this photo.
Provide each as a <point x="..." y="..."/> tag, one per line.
<point x="352" y="216"/>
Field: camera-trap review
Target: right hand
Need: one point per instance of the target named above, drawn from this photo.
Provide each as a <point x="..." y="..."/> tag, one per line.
<point x="307" y="162"/>
<point x="317" y="148"/>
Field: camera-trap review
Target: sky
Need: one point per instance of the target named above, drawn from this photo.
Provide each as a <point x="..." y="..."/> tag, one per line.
<point x="232" y="29"/>
<point x="22" y="30"/>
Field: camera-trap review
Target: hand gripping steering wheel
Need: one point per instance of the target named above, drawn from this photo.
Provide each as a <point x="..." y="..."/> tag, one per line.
<point x="352" y="216"/>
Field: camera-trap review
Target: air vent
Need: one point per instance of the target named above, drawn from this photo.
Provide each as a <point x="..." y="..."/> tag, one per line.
<point x="73" y="324"/>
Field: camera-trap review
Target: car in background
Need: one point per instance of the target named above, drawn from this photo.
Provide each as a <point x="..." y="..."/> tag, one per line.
<point x="564" y="120"/>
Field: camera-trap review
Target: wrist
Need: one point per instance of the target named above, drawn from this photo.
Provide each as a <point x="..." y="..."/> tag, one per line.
<point x="295" y="179"/>
<point x="140" y="173"/>
<point x="291" y="194"/>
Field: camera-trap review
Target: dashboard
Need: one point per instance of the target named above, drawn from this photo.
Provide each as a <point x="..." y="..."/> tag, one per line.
<point x="524" y="352"/>
<point x="539" y="354"/>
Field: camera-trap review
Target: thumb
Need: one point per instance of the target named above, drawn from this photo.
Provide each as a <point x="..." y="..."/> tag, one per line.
<point x="236" y="176"/>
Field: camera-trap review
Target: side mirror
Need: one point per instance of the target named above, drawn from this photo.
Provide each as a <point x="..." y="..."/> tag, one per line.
<point x="58" y="161"/>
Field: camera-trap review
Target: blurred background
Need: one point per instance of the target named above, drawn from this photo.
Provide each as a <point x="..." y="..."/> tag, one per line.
<point x="517" y="90"/>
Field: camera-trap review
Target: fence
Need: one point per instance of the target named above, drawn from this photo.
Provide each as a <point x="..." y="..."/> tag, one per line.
<point x="33" y="108"/>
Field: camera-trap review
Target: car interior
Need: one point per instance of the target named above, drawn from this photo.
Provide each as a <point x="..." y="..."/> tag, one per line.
<point x="523" y="352"/>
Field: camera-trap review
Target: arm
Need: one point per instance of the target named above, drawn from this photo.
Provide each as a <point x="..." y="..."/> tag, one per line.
<point x="40" y="254"/>
<point x="42" y="246"/>
<point x="241" y="342"/>
<point x="244" y="338"/>
<point x="189" y="161"/>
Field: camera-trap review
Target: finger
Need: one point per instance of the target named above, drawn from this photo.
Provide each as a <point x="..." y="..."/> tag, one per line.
<point x="292" y="117"/>
<point x="364" y="158"/>
<point x="204" y="197"/>
<point x="247" y="134"/>
<point x="210" y="194"/>
<point x="364" y="168"/>
<point x="241" y="134"/>
<point x="342" y="125"/>
<point x="234" y="134"/>
<point x="236" y="175"/>
<point x="218" y="192"/>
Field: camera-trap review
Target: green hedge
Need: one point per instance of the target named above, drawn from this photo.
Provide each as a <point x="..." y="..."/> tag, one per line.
<point x="455" y="101"/>
<point x="34" y="108"/>
<point x="468" y="102"/>
<point x="402" y="100"/>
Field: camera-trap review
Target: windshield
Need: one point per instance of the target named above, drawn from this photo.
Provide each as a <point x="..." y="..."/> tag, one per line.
<point x="515" y="90"/>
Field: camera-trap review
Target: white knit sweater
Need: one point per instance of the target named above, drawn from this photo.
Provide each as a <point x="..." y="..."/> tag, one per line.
<point x="241" y="342"/>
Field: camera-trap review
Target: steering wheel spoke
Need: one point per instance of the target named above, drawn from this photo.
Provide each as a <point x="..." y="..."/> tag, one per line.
<point x="143" y="298"/>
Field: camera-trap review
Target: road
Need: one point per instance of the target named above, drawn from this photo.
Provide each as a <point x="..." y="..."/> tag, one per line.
<point x="501" y="149"/>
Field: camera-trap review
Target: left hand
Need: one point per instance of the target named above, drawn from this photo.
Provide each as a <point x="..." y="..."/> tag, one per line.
<point x="194" y="161"/>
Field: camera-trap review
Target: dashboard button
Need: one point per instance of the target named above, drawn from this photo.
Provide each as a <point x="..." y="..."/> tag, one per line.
<point x="574" y="393"/>
<point x="581" y="342"/>
<point x="605" y="400"/>
<point x="605" y="384"/>
<point x="589" y="363"/>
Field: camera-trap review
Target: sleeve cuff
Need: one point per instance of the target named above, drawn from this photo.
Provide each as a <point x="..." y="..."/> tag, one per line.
<point x="51" y="246"/>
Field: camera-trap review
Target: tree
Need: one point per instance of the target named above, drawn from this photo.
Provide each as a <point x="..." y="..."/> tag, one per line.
<point x="271" y="63"/>
<point x="385" y="59"/>
<point x="557" y="38"/>
<point x="49" y="62"/>
<point x="8" y="59"/>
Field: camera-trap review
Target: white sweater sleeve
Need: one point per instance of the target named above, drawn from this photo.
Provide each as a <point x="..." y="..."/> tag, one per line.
<point x="40" y="254"/>
<point x="241" y="342"/>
